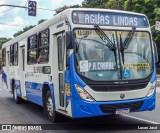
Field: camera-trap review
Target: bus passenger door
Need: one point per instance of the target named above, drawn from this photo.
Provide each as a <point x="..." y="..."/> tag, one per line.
<point x="22" y="71"/>
<point x="61" y="69"/>
<point x="8" y="70"/>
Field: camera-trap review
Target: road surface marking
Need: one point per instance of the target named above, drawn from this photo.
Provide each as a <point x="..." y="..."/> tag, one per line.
<point x="152" y="122"/>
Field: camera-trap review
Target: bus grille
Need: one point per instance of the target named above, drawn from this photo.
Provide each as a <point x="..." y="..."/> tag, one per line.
<point x="111" y="108"/>
<point x="111" y="88"/>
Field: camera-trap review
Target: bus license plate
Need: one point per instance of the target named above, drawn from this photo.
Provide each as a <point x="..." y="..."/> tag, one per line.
<point x="122" y="111"/>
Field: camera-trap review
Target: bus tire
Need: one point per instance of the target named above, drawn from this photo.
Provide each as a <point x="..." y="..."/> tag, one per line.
<point x="49" y="108"/>
<point x="16" y="98"/>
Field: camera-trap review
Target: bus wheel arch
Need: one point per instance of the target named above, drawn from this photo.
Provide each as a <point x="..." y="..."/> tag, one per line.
<point x="45" y="88"/>
<point x="16" y="98"/>
<point x="48" y="105"/>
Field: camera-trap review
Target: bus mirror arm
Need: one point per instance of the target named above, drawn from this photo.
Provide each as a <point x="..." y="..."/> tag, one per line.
<point x="155" y="53"/>
<point x="69" y="40"/>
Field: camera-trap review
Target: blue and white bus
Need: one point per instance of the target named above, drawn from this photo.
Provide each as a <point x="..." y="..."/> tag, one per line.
<point x="84" y="63"/>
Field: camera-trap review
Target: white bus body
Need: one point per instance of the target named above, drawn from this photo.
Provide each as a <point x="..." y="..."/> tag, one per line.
<point x="38" y="66"/>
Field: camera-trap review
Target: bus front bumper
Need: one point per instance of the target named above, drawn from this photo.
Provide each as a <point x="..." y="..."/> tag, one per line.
<point x="82" y="108"/>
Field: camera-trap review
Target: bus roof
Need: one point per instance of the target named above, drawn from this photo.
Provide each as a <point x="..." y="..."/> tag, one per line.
<point x="60" y="16"/>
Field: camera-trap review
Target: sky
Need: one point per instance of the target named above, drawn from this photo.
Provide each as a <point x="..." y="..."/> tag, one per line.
<point x="18" y="17"/>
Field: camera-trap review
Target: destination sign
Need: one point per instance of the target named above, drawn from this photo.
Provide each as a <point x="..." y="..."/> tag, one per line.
<point x="109" y="19"/>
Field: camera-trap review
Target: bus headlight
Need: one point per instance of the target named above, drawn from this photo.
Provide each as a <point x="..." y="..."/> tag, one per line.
<point x="151" y="91"/>
<point x="83" y="94"/>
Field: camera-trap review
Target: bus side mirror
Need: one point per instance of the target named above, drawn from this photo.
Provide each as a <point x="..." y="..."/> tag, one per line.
<point x="69" y="40"/>
<point x="155" y="53"/>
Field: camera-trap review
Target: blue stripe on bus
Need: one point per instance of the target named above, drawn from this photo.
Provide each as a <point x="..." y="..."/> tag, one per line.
<point x="75" y="79"/>
<point x="34" y="92"/>
<point x="68" y="81"/>
<point x="153" y="78"/>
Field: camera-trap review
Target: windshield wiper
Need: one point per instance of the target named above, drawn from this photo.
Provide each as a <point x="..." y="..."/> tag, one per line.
<point x="129" y="38"/>
<point x="103" y="36"/>
<point x="122" y="49"/>
<point x="126" y="42"/>
<point x="111" y="45"/>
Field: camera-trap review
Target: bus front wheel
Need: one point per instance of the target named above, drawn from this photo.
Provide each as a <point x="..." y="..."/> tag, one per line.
<point x="49" y="108"/>
<point x="15" y="97"/>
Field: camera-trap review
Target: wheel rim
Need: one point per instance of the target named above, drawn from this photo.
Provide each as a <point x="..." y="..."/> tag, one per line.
<point x="50" y="106"/>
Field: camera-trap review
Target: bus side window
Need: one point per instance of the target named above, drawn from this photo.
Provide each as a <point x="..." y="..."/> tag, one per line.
<point x="15" y="54"/>
<point x="43" y="55"/>
<point x="32" y="49"/>
<point x="4" y="57"/>
<point x="11" y="55"/>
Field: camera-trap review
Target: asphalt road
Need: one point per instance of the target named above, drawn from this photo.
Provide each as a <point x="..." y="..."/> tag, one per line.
<point x="29" y="113"/>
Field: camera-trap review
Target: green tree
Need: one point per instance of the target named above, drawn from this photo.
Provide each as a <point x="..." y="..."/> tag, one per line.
<point x="60" y="9"/>
<point x="24" y="30"/>
<point x="94" y="3"/>
<point x="146" y="7"/>
<point x="151" y="8"/>
<point x="42" y="20"/>
<point x="108" y="4"/>
<point x="3" y="40"/>
<point x="112" y="4"/>
<point x="28" y="28"/>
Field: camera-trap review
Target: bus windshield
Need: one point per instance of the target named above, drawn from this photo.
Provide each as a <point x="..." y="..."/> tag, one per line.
<point x="102" y="59"/>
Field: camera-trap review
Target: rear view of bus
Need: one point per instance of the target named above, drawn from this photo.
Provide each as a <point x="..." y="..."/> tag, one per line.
<point x="113" y="64"/>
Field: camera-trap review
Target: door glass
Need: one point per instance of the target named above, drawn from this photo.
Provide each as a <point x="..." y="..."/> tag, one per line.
<point x="60" y="53"/>
<point x="23" y="54"/>
<point x="8" y="58"/>
<point x="61" y="90"/>
<point x="60" y="46"/>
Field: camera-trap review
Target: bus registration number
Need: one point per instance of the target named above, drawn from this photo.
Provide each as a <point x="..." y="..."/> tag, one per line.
<point x="122" y="111"/>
